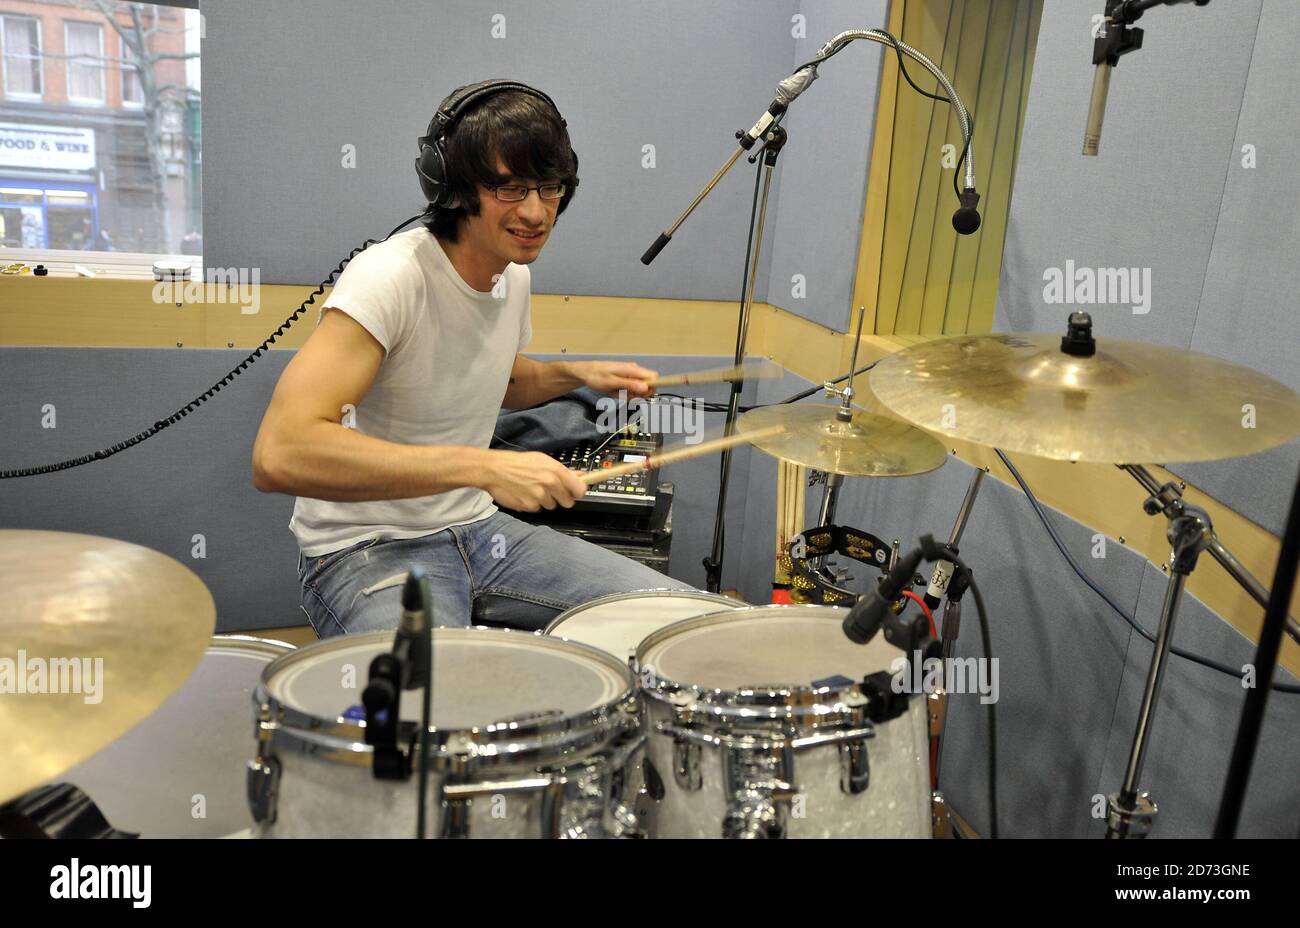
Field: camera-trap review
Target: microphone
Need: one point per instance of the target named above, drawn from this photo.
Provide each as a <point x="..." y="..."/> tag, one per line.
<point x="868" y="614"/>
<point x="939" y="581"/>
<point x="411" y="643"/>
<point x="967" y="218"/>
<point x="1096" y="109"/>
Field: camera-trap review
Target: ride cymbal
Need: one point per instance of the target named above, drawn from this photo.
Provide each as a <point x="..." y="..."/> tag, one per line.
<point x="1129" y="403"/>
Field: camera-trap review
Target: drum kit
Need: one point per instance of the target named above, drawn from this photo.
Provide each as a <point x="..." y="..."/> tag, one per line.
<point x="647" y="714"/>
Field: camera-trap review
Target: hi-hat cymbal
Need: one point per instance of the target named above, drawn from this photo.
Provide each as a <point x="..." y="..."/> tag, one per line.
<point x="1130" y="403"/>
<point x="866" y="446"/>
<point x="95" y="634"/>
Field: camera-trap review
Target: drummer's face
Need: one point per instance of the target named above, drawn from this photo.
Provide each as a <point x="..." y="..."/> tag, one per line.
<point x="512" y="231"/>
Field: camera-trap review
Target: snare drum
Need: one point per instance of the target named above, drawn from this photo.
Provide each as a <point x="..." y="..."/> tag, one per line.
<point x="531" y="738"/>
<point x="180" y="772"/>
<point x="758" y="727"/>
<point x="620" y="622"/>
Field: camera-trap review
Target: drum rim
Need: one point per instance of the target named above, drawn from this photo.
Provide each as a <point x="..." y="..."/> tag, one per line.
<point x="824" y="704"/>
<point x="732" y="604"/>
<point x="252" y="643"/>
<point x="503" y="742"/>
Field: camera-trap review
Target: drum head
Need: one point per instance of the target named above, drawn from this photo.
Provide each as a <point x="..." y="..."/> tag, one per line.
<point x="180" y="773"/>
<point x="619" y="623"/>
<point x="480" y="676"/>
<point x="763" y="647"/>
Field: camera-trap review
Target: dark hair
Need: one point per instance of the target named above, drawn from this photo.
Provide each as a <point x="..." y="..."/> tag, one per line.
<point x="526" y="133"/>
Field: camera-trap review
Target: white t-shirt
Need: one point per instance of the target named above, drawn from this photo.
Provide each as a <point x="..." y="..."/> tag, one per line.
<point x="450" y="349"/>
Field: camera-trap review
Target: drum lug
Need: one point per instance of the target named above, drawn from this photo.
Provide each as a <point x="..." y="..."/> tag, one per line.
<point x="263" y="781"/>
<point x="855" y="767"/>
<point x="686" y="765"/>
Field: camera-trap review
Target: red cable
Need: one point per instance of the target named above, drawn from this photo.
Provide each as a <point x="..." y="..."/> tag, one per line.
<point x="924" y="608"/>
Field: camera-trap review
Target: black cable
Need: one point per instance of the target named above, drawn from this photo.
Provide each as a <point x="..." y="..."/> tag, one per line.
<point x="929" y="550"/>
<point x="1270" y="642"/>
<point x="1110" y="600"/>
<point x="986" y="643"/>
<point x="216" y="387"/>
<point x="426" y="712"/>
<point x="898" y="51"/>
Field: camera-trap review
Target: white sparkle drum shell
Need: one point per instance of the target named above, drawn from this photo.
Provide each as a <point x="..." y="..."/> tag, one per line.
<point x="619" y="623"/>
<point x="738" y="701"/>
<point x="545" y="723"/>
<point x="181" y="772"/>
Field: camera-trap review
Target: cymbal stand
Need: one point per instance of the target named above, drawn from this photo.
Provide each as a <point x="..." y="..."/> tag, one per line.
<point x="830" y="495"/>
<point x="1131" y="813"/>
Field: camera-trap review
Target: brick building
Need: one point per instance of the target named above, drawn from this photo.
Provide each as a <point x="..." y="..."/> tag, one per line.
<point x="75" y="168"/>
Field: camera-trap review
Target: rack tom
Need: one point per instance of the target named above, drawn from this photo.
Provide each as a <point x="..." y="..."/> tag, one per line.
<point x="759" y="725"/>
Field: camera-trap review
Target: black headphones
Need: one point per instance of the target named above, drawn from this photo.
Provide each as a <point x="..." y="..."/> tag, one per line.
<point x="431" y="165"/>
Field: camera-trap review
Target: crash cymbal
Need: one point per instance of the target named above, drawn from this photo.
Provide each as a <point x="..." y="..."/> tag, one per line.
<point x="1129" y="403"/>
<point x="95" y="634"/>
<point x="868" y="445"/>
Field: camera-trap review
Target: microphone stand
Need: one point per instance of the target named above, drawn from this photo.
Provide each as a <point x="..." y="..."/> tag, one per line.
<point x="769" y="130"/>
<point x="774" y="137"/>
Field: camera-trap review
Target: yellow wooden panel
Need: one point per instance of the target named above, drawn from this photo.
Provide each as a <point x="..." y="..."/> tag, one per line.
<point x="967" y="256"/>
<point x="866" y="278"/>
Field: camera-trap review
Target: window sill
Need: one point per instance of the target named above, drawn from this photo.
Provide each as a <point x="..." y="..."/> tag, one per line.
<point x="113" y="265"/>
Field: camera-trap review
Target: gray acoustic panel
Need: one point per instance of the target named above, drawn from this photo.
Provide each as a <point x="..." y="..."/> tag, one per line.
<point x="669" y="73"/>
<point x="1061" y="656"/>
<point x="1169" y="193"/>
<point x="1247" y="310"/>
<point x="193" y="478"/>
<point x="1151" y="198"/>
<point x="1195" y="725"/>
<point x="824" y="166"/>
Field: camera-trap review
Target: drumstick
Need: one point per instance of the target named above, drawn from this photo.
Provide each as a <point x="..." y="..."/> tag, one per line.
<point x="750" y="370"/>
<point x="680" y="453"/>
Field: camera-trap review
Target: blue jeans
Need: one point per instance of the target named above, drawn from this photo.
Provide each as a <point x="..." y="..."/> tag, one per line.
<point x="531" y="573"/>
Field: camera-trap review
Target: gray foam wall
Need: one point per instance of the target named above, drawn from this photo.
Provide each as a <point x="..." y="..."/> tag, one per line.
<point x="1170" y="192"/>
<point x="677" y="75"/>
<point x="824" y="166"/>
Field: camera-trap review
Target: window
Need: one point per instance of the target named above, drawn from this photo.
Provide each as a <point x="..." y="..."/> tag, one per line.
<point x="85" y="46"/>
<point x="22" y="57"/>
<point x="101" y="165"/>
<point x="132" y="92"/>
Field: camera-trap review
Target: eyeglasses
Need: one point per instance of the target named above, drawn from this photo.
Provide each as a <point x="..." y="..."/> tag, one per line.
<point x="513" y="193"/>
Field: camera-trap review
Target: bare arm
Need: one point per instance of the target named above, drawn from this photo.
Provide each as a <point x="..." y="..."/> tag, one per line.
<point x="533" y="382"/>
<point x="303" y="448"/>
